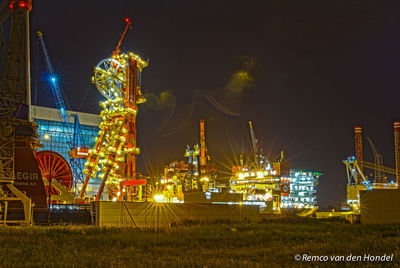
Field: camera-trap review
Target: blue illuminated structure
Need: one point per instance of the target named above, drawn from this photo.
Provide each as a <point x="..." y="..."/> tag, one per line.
<point x="70" y="135"/>
<point x="54" y="137"/>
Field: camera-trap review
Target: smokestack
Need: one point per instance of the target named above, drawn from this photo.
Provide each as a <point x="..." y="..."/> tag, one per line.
<point x="359" y="146"/>
<point x="396" y="126"/>
<point x="203" y="160"/>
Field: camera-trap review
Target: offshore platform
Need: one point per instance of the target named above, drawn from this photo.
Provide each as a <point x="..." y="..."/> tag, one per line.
<point x="273" y="184"/>
<point x="270" y="185"/>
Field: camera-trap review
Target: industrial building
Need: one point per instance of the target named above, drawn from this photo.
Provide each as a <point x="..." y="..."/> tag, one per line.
<point x="303" y="190"/>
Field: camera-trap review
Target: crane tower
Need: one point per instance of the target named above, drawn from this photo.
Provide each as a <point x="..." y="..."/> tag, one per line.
<point x="379" y="173"/>
<point x="259" y="157"/>
<point x="17" y="133"/>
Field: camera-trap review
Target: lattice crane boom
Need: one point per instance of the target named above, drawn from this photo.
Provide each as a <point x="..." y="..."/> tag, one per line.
<point x="385" y="170"/>
<point x="55" y="86"/>
<point x="378" y="163"/>
<point x="259" y="157"/>
<point x="253" y="138"/>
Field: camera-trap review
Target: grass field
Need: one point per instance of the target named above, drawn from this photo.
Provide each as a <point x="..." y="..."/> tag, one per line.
<point x="195" y="245"/>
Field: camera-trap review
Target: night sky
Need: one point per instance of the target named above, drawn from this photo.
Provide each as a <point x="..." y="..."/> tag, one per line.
<point x="305" y="72"/>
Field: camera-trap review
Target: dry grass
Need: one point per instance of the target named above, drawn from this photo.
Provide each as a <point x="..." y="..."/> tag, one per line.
<point x="213" y="245"/>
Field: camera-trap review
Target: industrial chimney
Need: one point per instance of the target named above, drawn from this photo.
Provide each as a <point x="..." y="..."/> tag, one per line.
<point x="203" y="160"/>
<point x="396" y="126"/>
<point x="359" y="146"/>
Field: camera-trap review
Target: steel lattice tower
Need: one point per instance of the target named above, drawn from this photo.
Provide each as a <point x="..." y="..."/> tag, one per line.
<point x="16" y="72"/>
<point x="379" y="173"/>
<point x="14" y="86"/>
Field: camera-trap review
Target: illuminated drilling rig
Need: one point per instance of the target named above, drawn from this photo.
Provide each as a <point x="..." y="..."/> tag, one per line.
<point x="257" y="180"/>
<point x="273" y="186"/>
<point x="114" y="153"/>
<point x="201" y="174"/>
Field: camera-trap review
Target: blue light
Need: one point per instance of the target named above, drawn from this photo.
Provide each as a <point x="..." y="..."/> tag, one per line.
<point x="53" y="79"/>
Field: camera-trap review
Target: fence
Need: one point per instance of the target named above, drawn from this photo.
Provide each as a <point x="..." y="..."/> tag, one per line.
<point x="127" y="214"/>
